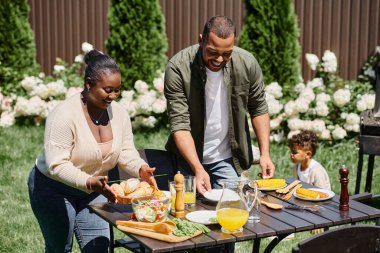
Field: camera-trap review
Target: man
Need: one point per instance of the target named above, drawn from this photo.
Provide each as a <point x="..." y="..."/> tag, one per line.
<point x="209" y="88"/>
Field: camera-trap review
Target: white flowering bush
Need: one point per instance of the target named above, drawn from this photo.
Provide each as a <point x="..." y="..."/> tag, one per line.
<point x="327" y="104"/>
<point x="145" y="104"/>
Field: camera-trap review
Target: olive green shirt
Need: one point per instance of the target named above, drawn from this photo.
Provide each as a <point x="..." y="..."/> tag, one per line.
<point x="185" y="80"/>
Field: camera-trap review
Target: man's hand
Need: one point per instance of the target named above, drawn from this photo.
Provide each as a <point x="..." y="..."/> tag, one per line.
<point x="267" y="167"/>
<point x="202" y="181"/>
<point x="146" y="174"/>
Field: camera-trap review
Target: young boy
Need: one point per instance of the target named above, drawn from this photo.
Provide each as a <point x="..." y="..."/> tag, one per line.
<point x="303" y="147"/>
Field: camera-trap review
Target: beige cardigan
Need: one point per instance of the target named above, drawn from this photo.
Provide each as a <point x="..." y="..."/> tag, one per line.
<point x="71" y="154"/>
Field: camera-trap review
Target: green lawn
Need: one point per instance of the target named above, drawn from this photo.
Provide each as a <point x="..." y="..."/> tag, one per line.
<point x="20" y="146"/>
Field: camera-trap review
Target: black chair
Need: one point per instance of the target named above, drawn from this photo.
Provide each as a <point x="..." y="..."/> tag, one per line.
<point x="166" y="166"/>
<point x="356" y="238"/>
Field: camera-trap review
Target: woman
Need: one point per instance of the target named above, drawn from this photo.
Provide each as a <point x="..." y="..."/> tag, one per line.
<point x="85" y="136"/>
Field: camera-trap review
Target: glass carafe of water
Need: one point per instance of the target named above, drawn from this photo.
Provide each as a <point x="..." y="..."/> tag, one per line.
<point x="232" y="210"/>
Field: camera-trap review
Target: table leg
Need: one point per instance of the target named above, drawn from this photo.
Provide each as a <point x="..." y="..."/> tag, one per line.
<point x="359" y="172"/>
<point x="368" y="182"/>
<point x="112" y="241"/>
<point x="274" y="243"/>
<point x="256" y="245"/>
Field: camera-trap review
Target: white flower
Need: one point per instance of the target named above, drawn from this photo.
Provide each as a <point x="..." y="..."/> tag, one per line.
<point x="325" y="135"/>
<point x="302" y="104"/>
<point x="279" y="137"/>
<point x="378" y="50"/>
<point x="7" y="118"/>
<point x="343" y="115"/>
<point x="316" y="83"/>
<point x="56" y="88"/>
<point x="58" y="68"/>
<point x="78" y="58"/>
<point x="145" y="122"/>
<point x="352" y="119"/>
<point x="158" y="83"/>
<point x="32" y="107"/>
<point x="275" y="123"/>
<point x="274" y="106"/>
<point x="341" y="97"/>
<point x="141" y="86"/>
<point x="40" y="90"/>
<point x="145" y="102"/>
<point x="299" y="87"/>
<point x="128" y="95"/>
<point x="159" y="106"/>
<point x="322" y="109"/>
<point x="72" y="91"/>
<point x="29" y="82"/>
<point x="370" y="72"/>
<point x="329" y="62"/>
<point x="307" y="94"/>
<point x="339" y="133"/>
<point x="6" y="104"/>
<point x="87" y="47"/>
<point x="41" y="75"/>
<point x="295" y="124"/>
<point x="365" y="102"/>
<point x="312" y="61"/>
<point x="290" y="109"/>
<point x="318" y="126"/>
<point x="129" y="106"/>
<point x="323" y="97"/>
<point x="274" y="89"/>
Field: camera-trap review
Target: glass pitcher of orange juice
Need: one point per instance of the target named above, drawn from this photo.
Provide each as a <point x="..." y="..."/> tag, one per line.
<point x="231" y="210"/>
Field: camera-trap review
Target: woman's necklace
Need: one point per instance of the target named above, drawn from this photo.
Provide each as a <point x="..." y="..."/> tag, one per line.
<point x="96" y="121"/>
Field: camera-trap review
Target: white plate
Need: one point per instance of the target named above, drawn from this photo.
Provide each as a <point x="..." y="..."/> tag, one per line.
<point x="330" y="193"/>
<point x="215" y="195"/>
<point x="202" y="217"/>
<point x="266" y="189"/>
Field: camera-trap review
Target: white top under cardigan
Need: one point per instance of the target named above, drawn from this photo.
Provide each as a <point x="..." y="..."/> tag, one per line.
<point x="71" y="154"/>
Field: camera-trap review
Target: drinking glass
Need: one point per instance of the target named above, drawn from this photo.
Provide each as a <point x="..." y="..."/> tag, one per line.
<point x="253" y="203"/>
<point x="189" y="191"/>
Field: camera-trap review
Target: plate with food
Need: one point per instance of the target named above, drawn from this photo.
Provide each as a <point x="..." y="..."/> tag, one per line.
<point x="313" y="194"/>
<point x="268" y="184"/>
<point x="205" y="217"/>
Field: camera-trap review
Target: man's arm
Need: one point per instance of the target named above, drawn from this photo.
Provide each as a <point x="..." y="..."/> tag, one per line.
<point x="261" y="127"/>
<point x="185" y="144"/>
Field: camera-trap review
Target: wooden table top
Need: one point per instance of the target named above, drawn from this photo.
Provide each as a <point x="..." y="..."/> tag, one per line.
<point x="272" y="222"/>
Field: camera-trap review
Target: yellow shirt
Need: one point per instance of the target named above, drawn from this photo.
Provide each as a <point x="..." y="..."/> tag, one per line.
<point x="71" y="154"/>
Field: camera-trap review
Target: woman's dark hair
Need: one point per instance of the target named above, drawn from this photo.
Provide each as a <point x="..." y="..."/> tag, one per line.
<point x="98" y="65"/>
<point x="305" y="139"/>
<point x="222" y="26"/>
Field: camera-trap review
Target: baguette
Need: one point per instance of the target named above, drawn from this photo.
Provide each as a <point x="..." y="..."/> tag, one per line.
<point x="311" y="194"/>
<point x="130" y="185"/>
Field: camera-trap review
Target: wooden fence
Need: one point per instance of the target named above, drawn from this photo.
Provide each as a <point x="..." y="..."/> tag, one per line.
<point x="349" y="28"/>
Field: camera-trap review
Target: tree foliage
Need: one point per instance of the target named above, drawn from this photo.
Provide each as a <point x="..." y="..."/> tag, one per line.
<point x="17" y="51"/>
<point x="138" y="40"/>
<point x="271" y="34"/>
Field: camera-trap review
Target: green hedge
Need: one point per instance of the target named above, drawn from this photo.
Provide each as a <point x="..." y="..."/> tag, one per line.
<point x="138" y="40"/>
<point x="271" y="34"/>
<point x="18" y="50"/>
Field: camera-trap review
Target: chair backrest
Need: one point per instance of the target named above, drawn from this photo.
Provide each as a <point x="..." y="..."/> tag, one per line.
<point x="356" y="238"/>
<point x="165" y="162"/>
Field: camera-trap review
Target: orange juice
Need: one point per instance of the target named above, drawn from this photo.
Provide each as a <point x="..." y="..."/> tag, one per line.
<point x="189" y="199"/>
<point x="232" y="218"/>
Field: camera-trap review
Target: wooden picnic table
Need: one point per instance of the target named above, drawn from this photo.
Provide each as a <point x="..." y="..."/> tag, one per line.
<point x="278" y="223"/>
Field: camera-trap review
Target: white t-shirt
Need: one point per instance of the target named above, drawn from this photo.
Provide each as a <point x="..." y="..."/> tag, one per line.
<point x="216" y="145"/>
<point x="315" y="175"/>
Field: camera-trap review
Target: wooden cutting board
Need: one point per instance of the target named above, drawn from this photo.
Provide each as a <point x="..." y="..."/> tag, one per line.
<point x="158" y="236"/>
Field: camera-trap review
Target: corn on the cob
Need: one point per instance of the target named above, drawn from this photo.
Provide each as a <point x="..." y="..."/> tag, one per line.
<point x="270" y="183"/>
<point x="310" y="194"/>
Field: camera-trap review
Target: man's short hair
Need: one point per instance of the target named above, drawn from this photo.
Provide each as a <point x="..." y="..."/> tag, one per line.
<point x="222" y="26"/>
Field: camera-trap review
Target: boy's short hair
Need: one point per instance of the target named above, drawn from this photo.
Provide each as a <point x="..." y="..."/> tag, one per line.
<point x="305" y="139"/>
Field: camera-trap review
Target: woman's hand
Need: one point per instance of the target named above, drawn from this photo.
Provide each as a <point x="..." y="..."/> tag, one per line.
<point x="99" y="184"/>
<point x="146" y="174"/>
